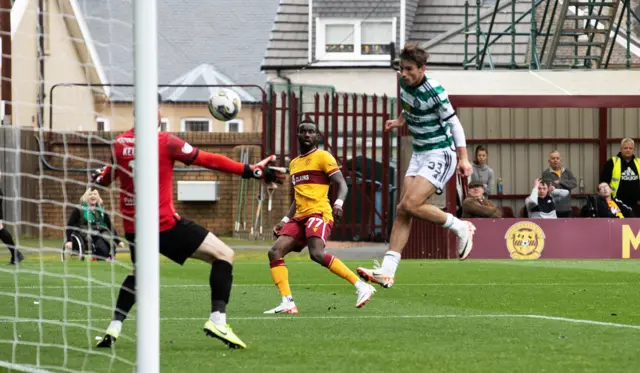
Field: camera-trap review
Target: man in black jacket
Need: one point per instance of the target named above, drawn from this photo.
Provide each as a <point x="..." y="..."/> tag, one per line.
<point x="7" y="239"/>
<point x="622" y="174"/>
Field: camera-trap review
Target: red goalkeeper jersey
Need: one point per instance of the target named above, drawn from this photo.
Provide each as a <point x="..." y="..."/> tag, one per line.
<point x="170" y="149"/>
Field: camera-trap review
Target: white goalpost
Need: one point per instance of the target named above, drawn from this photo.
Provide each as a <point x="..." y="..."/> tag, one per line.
<point x="146" y="185"/>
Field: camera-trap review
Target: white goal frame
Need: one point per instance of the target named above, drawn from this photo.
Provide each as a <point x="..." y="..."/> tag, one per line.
<point x="145" y="14"/>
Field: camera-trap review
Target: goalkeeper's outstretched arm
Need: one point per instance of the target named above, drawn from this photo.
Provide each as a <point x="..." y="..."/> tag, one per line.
<point x="187" y="154"/>
<point x="260" y="170"/>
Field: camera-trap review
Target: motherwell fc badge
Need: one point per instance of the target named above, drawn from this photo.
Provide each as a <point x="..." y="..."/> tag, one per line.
<point x="525" y="240"/>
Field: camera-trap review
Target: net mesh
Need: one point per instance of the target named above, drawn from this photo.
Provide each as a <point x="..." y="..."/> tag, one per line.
<point x="57" y="128"/>
<point x="55" y="303"/>
<point x="58" y="301"/>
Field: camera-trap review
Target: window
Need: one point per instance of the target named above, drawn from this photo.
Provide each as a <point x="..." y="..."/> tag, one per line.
<point x="339" y="38"/>
<point x="164" y="125"/>
<point x="102" y="124"/>
<point x="344" y="40"/>
<point x="236" y="125"/>
<point x="195" y="125"/>
<point x="375" y="38"/>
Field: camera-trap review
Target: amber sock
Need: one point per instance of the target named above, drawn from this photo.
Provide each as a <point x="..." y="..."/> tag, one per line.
<point x="336" y="266"/>
<point x="280" y="276"/>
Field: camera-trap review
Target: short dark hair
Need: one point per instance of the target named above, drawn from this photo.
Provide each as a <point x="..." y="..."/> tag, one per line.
<point x="547" y="181"/>
<point x="307" y="121"/>
<point x="413" y="53"/>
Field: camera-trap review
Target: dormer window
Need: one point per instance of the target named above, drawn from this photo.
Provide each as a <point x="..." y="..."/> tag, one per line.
<point x="354" y="40"/>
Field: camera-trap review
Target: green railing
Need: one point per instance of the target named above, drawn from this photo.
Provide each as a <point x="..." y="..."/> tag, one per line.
<point x="484" y="40"/>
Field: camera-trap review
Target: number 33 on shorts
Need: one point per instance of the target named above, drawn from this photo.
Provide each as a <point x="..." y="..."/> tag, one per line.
<point x="437" y="166"/>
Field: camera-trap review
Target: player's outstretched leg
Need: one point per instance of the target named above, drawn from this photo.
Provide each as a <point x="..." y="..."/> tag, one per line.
<point x="384" y="274"/>
<point x="416" y="190"/>
<point x="280" y="274"/>
<point x="335" y="265"/>
<point x="126" y="300"/>
<point x="216" y="252"/>
<point x="7" y="239"/>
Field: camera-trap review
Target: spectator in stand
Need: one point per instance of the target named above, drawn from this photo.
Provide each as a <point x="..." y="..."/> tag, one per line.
<point x="476" y="205"/>
<point x="481" y="170"/>
<point x="561" y="178"/>
<point x="622" y="174"/>
<point x="609" y="207"/>
<point x="541" y="203"/>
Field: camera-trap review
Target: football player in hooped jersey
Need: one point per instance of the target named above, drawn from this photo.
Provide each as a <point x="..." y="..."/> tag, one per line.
<point x="437" y="140"/>
<point x="180" y="238"/>
<point x="311" y="218"/>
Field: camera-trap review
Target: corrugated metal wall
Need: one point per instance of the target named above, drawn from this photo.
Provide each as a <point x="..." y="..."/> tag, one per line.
<point x="623" y="123"/>
<point x="518" y="164"/>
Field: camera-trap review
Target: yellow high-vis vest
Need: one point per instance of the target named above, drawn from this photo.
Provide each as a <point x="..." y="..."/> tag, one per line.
<point x="617" y="172"/>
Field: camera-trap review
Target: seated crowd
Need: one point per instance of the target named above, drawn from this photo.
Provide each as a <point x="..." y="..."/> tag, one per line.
<point x="618" y="192"/>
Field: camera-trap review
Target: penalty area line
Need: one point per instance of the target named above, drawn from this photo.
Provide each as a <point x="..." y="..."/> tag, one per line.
<point x="115" y="286"/>
<point x="364" y="317"/>
<point x="22" y="368"/>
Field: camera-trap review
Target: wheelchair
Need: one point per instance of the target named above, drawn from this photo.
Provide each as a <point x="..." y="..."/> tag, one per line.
<point x="95" y="246"/>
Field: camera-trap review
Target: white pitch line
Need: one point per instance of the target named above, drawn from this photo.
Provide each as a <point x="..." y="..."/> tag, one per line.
<point x="579" y="321"/>
<point x="341" y="284"/>
<point x="361" y="317"/>
<point x="22" y="368"/>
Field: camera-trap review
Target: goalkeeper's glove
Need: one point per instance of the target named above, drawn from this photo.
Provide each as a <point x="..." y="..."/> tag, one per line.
<point x="97" y="176"/>
<point x="265" y="171"/>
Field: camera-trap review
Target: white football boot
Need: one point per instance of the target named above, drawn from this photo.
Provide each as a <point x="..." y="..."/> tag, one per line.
<point x="288" y="307"/>
<point x="364" y="294"/>
<point x="465" y="241"/>
<point x="376" y="275"/>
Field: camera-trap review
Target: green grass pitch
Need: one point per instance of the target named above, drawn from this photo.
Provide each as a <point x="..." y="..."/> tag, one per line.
<point x="442" y="316"/>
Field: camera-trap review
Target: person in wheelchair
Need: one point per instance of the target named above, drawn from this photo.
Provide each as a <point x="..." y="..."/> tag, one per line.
<point x="89" y="229"/>
<point x="604" y="205"/>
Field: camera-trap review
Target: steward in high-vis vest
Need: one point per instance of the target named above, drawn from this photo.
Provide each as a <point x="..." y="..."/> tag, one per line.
<point x="622" y="173"/>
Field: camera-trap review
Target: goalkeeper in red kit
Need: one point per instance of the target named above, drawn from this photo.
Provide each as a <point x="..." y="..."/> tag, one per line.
<point x="180" y="238"/>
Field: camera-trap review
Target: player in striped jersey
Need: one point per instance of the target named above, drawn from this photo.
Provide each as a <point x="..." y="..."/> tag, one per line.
<point x="437" y="136"/>
<point x="310" y="218"/>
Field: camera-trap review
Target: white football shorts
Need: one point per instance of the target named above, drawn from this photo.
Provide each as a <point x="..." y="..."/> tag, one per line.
<point x="437" y="166"/>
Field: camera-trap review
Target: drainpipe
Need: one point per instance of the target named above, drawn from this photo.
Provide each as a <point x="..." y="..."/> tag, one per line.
<point x="288" y="80"/>
<point x="5" y="34"/>
<point x="403" y="22"/>
<point x="40" y="47"/>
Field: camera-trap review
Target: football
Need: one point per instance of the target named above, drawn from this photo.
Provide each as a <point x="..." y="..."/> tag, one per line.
<point x="224" y="104"/>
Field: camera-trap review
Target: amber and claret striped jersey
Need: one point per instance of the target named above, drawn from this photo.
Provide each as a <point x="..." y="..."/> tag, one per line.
<point x="310" y="174"/>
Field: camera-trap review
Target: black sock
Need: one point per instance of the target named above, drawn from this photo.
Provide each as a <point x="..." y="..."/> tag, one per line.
<point x="220" y="281"/>
<point x="5" y="236"/>
<point x="126" y="298"/>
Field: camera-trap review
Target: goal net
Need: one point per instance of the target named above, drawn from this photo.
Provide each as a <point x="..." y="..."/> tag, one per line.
<point x="58" y="300"/>
<point x="66" y="265"/>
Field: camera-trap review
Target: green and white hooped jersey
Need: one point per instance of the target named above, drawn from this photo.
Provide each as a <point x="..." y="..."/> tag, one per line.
<point x="427" y="111"/>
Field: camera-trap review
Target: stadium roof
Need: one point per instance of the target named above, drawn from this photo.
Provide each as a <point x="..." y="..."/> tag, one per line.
<point x="199" y="42"/>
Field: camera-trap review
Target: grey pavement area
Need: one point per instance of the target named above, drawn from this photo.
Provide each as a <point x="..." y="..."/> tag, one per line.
<point x="372" y="251"/>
